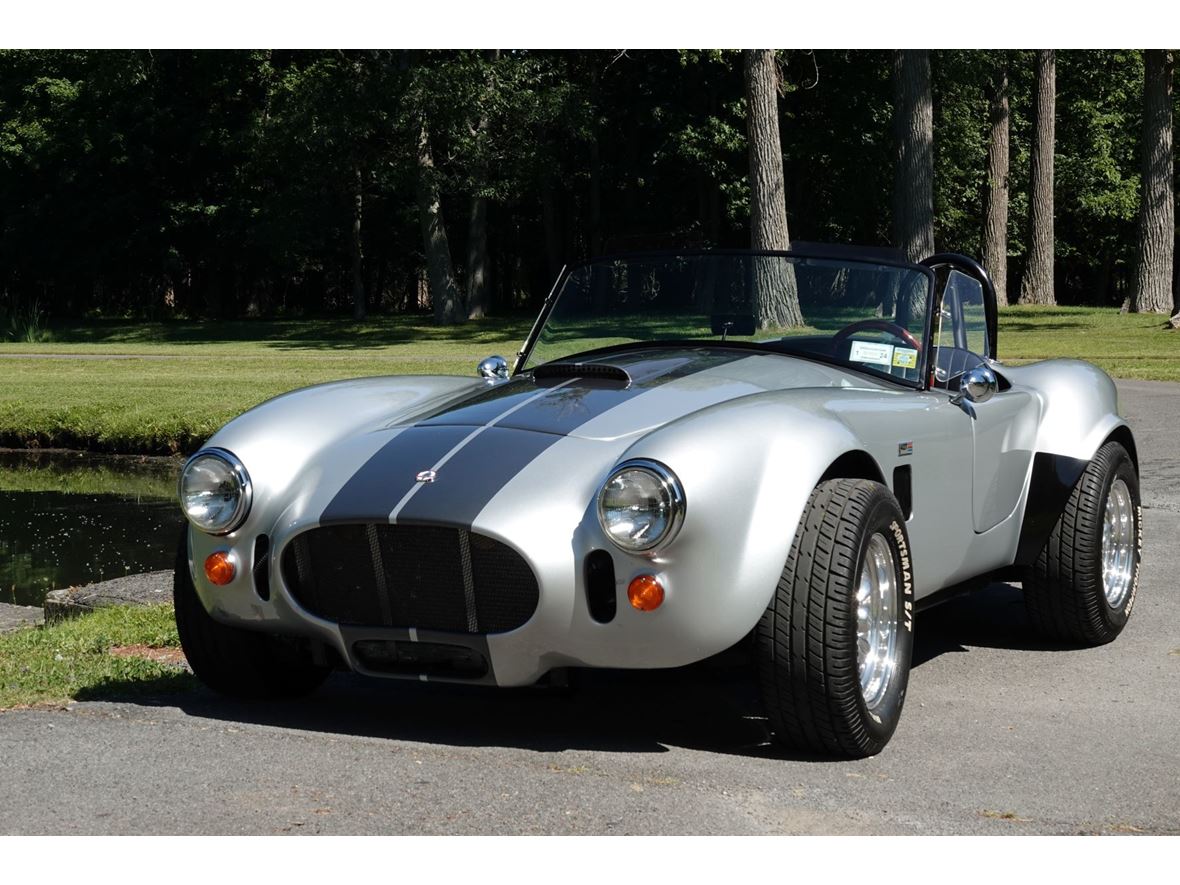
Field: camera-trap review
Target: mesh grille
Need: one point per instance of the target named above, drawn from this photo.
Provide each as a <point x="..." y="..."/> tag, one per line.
<point x="426" y="577"/>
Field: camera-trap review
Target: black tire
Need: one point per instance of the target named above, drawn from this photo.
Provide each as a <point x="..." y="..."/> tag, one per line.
<point x="1064" y="593"/>
<point x="807" y="639"/>
<point x="234" y="662"/>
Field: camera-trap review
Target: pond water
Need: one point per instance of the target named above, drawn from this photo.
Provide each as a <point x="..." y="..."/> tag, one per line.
<point x="69" y="518"/>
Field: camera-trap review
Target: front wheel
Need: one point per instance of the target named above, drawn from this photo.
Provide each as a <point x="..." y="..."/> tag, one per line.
<point x="834" y="645"/>
<point x="235" y="662"/>
<point x="1082" y="586"/>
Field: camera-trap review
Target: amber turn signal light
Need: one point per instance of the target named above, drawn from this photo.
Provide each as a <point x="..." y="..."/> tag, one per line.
<point x="219" y="568"/>
<point x="646" y="593"/>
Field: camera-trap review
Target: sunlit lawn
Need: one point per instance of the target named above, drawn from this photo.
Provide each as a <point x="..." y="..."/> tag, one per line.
<point x="72" y="660"/>
<point x="176" y="383"/>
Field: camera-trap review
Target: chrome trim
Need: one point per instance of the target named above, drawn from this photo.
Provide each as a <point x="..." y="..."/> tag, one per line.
<point x="876" y="622"/>
<point x="670" y="483"/>
<point x="1118" y="544"/>
<point x="493" y="368"/>
<point x="238" y="469"/>
<point x="977" y="385"/>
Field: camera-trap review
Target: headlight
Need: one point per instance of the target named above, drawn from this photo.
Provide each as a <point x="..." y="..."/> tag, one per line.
<point x="215" y="491"/>
<point x="641" y="506"/>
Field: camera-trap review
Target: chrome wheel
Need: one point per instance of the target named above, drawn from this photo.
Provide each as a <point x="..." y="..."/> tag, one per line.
<point x="876" y="621"/>
<point x="1118" y="544"/>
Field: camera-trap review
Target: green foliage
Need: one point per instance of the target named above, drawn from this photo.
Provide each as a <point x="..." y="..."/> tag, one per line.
<point x="25" y="324"/>
<point x="26" y="472"/>
<point x="170" y="184"/>
<point x="53" y="664"/>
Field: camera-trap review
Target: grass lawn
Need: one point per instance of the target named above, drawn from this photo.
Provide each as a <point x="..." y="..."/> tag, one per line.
<point x="165" y="387"/>
<point x="159" y="388"/>
<point x="73" y="659"/>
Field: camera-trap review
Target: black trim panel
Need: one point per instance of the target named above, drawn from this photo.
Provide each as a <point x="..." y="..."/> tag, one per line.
<point x="426" y="638"/>
<point x="1053" y="478"/>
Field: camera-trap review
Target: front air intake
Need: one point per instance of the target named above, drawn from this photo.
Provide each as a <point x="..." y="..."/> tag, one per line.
<point x="425" y="577"/>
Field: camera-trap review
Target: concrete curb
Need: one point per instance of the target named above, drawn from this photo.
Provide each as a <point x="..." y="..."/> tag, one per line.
<point x="13" y="617"/>
<point x="151" y="588"/>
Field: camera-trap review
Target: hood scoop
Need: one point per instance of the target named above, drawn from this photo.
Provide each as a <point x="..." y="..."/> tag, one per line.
<point x="589" y="371"/>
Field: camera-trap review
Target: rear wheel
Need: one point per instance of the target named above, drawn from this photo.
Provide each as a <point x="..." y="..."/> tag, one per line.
<point x="834" y="645"/>
<point x="1082" y="586"/>
<point x="235" y="662"/>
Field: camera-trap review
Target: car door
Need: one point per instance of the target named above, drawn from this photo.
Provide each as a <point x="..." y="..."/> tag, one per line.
<point x="1004" y="427"/>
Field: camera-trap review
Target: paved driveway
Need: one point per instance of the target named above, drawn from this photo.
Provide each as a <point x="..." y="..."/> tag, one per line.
<point x="1001" y="734"/>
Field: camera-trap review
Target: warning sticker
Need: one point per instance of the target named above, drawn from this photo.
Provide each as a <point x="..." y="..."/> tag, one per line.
<point x="905" y="357"/>
<point x="871" y="352"/>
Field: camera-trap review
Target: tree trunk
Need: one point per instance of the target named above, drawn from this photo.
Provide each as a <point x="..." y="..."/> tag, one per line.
<point x="776" y="294"/>
<point x="477" y="226"/>
<point x="444" y="292"/>
<point x="995" y="210"/>
<point x="1152" y="291"/>
<point x="358" y="256"/>
<point x="913" y="127"/>
<point x="477" y="259"/>
<point x="1037" y="285"/>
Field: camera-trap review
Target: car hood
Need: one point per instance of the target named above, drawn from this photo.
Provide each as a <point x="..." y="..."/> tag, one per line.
<point x="445" y="464"/>
<point x="619" y="395"/>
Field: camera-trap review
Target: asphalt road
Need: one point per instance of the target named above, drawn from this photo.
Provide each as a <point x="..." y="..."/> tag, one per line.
<point x="1001" y="734"/>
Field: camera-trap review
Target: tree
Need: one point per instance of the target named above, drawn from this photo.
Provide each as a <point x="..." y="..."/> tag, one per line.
<point x="1152" y="292"/>
<point x="995" y="204"/>
<point x="444" y="291"/>
<point x="1036" y="287"/>
<point x="776" y="293"/>
<point x="913" y="126"/>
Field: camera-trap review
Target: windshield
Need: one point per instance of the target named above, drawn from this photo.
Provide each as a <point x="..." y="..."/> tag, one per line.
<point x="868" y="316"/>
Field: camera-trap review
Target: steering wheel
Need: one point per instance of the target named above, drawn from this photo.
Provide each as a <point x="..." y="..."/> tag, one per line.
<point x="881" y="326"/>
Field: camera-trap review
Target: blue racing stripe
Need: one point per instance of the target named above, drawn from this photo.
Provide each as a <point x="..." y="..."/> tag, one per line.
<point x="533" y="419"/>
<point x="473" y="476"/>
<point x="371" y="493"/>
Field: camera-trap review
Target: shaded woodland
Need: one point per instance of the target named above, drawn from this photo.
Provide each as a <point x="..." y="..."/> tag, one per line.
<point x="209" y="184"/>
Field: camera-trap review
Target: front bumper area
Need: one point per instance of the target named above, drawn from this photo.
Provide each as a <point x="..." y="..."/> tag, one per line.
<point x="694" y="622"/>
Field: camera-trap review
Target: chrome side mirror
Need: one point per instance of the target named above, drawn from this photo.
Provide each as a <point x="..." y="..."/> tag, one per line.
<point x="977" y="385"/>
<point x="493" y="368"/>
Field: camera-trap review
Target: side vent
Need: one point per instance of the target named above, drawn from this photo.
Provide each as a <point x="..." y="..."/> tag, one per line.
<point x="903" y="490"/>
<point x="261" y="572"/>
<point x="600" y="586"/>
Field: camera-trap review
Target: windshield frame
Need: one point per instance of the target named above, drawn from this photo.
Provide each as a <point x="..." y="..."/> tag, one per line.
<point x="842" y="253"/>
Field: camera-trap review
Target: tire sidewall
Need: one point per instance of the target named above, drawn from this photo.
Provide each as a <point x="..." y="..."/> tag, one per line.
<point x="884" y="517"/>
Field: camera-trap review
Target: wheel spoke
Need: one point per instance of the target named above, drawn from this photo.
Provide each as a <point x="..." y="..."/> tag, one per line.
<point x="1118" y="543"/>
<point x="876" y="622"/>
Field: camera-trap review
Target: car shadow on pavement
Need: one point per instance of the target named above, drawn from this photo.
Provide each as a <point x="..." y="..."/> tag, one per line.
<point x="712" y="706"/>
<point x="993" y="617"/>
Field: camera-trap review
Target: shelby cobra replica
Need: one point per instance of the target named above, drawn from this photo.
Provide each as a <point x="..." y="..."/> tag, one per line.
<point x="808" y="447"/>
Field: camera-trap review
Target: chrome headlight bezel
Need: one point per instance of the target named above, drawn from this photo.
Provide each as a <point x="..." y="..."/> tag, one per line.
<point x="672" y="491"/>
<point x="236" y="471"/>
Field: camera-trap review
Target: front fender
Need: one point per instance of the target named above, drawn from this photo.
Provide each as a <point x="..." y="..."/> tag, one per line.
<point x="748" y="468"/>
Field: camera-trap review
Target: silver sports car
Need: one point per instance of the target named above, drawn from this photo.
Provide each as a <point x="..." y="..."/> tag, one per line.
<point x="692" y="448"/>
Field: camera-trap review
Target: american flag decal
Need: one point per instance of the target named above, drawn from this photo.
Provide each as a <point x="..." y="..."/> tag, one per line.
<point x="905" y="448"/>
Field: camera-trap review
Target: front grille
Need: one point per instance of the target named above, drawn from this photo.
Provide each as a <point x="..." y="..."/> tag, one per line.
<point x="425" y="577"/>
